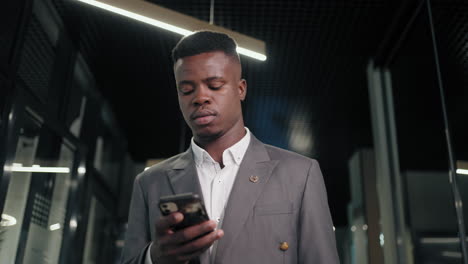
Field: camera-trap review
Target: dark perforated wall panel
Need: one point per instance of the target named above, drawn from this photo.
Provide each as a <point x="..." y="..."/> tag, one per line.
<point x="37" y="60"/>
<point x="10" y="16"/>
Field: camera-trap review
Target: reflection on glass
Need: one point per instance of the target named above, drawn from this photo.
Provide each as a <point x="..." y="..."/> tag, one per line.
<point x="107" y="160"/>
<point x="428" y="212"/>
<point x="16" y="199"/>
<point x="98" y="220"/>
<point x="48" y="213"/>
<point x="32" y="222"/>
<point x="18" y="167"/>
<point x="75" y="127"/>
<point x="450" y="20"/>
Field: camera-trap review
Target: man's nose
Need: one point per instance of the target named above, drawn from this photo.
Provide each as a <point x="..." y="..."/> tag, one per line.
<point x="202" y="95"/>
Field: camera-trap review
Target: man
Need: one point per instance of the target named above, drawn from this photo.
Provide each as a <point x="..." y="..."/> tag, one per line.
<point x="267" y="205"/>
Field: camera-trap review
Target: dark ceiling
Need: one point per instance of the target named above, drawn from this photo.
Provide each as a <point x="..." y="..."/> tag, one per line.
<point x="309" y="96"/>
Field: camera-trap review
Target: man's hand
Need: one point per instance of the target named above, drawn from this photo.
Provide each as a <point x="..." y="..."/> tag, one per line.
<point x="180" y="246"/>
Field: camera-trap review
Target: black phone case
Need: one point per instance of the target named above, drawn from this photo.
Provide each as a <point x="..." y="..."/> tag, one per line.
<point x="189" y="204"/>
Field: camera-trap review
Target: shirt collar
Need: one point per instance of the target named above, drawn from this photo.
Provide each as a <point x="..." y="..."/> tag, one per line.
<point x="233" y="154"/>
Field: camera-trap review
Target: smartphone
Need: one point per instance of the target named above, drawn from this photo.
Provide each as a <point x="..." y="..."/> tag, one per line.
<point x="189" y="204"/>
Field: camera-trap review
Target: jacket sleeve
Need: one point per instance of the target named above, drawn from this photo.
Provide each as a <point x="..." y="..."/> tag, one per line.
<point x="137" y="237"/>
<point x="316" y="239"/>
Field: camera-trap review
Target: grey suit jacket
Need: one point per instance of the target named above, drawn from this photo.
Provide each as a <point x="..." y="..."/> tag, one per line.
<point x="288" y="203"/>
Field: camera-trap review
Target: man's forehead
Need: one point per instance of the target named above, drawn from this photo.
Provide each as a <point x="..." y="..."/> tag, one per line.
<point x="203" y="57"/>
<point x="212" y="61"/>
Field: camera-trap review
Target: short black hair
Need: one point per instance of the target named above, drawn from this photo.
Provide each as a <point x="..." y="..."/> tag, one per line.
<point x="204" y="41"/>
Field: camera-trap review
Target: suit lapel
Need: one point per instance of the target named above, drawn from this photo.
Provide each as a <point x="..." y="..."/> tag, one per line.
<point x="245" y="192"/>
<point x="183" y="175"/>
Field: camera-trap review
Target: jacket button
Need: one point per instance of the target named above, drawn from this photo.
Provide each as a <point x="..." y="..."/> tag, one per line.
<point x="253" y="179"/>
<point x="284" y="246"/>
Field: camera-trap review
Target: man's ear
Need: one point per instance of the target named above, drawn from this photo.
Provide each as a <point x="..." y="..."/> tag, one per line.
<point x="242" y="88"/>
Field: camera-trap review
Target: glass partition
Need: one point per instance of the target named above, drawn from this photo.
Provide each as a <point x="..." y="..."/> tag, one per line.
<point x="422" y="148"/>
<point x="108" y="159"/>
<point x="419" y="204"/>
<point x="45" y="231"/>
<point x="33" y="219"/>
<point x="98" y="234"/>
<point x="18" y="189"/>
<point x="450" y="22"/>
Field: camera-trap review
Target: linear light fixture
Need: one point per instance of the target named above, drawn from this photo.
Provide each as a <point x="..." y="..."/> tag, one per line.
<point x="7" y="220"/>
<point x="178" y="23"/>
<point x="54" y="227"/>
<point x="452" y="254"/>
<point x="462" y="167"/>
<point x="36" y="168"/>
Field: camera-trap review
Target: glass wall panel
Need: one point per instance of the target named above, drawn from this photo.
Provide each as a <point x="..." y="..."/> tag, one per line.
<point x="98" y="234"/>
<point x="77" y="100"/>
<point x="422" y="150"/>
<point x="18" y="189"/>
<point x="107" y="160"/>
<point x="450" y="19"/>
<point x="45" y="232"/>
<point x="33" y="218"/>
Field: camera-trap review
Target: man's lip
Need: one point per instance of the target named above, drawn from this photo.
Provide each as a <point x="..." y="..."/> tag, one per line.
<point x="204" y="120"/>
<point x="202" y="113"/>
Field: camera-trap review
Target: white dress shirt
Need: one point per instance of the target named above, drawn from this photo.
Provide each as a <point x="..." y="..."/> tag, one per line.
<point x="216" y="182"/>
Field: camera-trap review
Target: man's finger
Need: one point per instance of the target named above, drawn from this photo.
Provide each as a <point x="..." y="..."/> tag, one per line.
<point x="196" y="247"/>
<point x="167" y="222"/>
<point x="188" y="234"/>
<point x="192" y="255"/>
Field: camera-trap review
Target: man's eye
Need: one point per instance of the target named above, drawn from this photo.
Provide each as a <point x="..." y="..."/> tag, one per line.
<point x="185" y="90"/>
<point x="216" y="87"/>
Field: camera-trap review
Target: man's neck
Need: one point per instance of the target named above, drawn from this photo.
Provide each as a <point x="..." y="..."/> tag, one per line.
<point x="215" y="147"/>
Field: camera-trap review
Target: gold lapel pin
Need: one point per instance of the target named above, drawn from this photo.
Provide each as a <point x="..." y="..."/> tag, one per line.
<point x="253" y="178"/>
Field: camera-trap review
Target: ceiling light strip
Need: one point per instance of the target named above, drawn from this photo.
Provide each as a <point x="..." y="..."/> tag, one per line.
<point x="41" y="169"/>
<point x="138" y="17"/>
<point x="163" y="25"/>
<point x="251" y="54"/>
